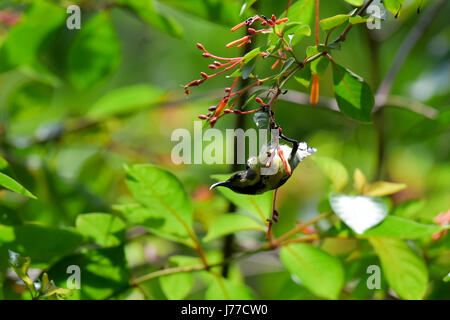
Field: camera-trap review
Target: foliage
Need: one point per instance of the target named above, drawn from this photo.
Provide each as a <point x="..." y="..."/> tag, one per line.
<point x="84" y="112"/>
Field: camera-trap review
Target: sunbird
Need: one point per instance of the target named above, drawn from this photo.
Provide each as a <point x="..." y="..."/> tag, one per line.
<point x="263" y="173"/>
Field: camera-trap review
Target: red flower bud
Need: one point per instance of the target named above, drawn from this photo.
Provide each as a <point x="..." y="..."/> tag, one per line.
<point x="204" y="75"/>
<point x="206" y="55"/>
<point x="227" y="111"/>
<point x="202" y="117"/>
<point x="212" y="108"/>
<point x="259" y="100"/>
<point x="200" y="46"/>
<point x="212" y="66"/>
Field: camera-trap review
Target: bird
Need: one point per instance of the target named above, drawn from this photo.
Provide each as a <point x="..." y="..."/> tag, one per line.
<point x="257" y="178"/>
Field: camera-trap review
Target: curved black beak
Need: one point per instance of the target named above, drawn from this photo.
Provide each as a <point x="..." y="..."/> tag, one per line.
<point x="220" y="184"/>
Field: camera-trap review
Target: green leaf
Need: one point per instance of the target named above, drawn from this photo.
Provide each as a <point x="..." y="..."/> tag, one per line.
<point x="104" y="272"/>
<point x="353" y="95"/>
<point x="393" y="6"/>
<point x="318" y="271"/>
<point x="358" y="19"/>
<point x="397" y="227"/>
<point x="163" y="195"/>
<point x="162" y="226"/>
<point x="286" y="66"/>
<point x="383" y="188"/>
<point x="105" y="229"/>
<point x="296" y="31"/>
<point x="405" y="272"/>
<point x="247" y="70"/>
<point x="259" y="206"/>
<point x="261" y="120"/>
<point x="251" y="55"/>
<point x="177" y="286"/>
<point x="304" y="76"/>
<point x="360" y="213"/>
<point x="94" y="53"/>
<point x="319" y="65"/>
<point x="50" y="291"/>
<point x="447" y="278"/>
<point x="231" y="223"/>
<point x="333" y="22"/>
<point x="13" y="185"/>
<point x="356" y="3"/>
<point x="42" y="244"/>
<point x="216" y="11"/>
<point x="334" y="170"/>
<point x="359" y="181"/>
<point x="20" y="265"/>
<point x="429" y="128"/>
<point x="300" y="12"/>
<point x="125" y="100"/>
<point x="224" y="289"/>
<point x="23" y="41"/>
<point x="149" y="12"/>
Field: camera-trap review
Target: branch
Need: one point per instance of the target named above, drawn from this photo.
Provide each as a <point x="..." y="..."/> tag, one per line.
<point x="265" y="247"/>
<point x="405" y="48"/>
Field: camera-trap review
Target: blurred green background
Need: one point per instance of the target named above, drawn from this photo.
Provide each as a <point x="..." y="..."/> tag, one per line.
<point x="66" y="131"/>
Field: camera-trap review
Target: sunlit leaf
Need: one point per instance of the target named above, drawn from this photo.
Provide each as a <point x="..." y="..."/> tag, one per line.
<point x="359" y="212"/>
<point x="405" y="272"/>
<point x="334" y="170"/>
<point x="383" y="188"/>
<point x="13" y="185"/>
<point x="162" y="194"/>
<point x="393" y="6"/>
<point x="106" y="229"/>
<point x="397" y="227"/>
<point x="251" y="55"/>
<point x="333" y="22"/>
<point x="224" y="289"/>
<point x="358" y="19"/>
<point x="359" y="181"/>
<point x="353" y="95"/>
<point x="318" y="65"/>
<point x="318" y="271"/>
<point x="356" y="3"/>
<point x="177" y="286"/>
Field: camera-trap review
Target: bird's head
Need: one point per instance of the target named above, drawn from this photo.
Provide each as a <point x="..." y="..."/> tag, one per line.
<point x="245" y="182"/>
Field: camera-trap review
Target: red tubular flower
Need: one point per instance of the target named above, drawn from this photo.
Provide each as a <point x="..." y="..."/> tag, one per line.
<point x="235" y="42"/>
<point x="315" y="90"/>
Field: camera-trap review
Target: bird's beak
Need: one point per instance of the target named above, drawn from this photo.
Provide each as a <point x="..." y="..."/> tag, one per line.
<point x="221" y="183"/>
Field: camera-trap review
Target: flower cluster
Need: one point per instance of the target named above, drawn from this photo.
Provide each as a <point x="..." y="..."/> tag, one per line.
<point x="224" y="64"/>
